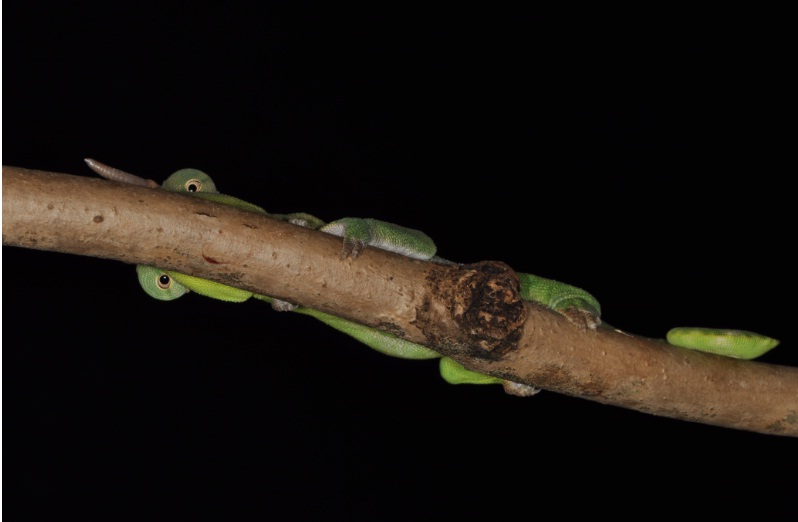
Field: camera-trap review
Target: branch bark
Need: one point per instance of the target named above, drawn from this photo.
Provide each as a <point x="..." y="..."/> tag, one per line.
<point x="471" y="313"/>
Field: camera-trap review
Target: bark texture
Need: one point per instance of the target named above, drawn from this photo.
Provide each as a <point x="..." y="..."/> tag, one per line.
<point x="472" y="313"/>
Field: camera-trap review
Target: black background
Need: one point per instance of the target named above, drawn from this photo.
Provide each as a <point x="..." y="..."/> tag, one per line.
<point x="638" y="155"/>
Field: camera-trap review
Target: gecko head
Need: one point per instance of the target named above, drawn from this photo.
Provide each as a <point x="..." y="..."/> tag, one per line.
<point x="189" y="180"/>
<point x="159" y="284"/>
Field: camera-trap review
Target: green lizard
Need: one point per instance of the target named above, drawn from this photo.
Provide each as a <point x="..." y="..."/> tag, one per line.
<point x="576" y="304"/>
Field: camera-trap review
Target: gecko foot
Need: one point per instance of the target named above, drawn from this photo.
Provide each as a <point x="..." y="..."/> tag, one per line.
<point x="352" y="248"/>
<point x="581" y="317"/>
<point x="283" y="306"/>
<point x="519" y="390"/>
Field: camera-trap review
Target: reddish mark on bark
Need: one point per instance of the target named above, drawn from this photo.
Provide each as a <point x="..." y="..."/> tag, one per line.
<point x="210" y="259"/>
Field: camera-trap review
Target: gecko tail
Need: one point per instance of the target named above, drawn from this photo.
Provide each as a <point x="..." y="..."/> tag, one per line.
<point x="120" y="176"/>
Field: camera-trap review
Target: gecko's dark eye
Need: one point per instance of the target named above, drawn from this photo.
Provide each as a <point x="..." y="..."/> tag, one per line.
<point x="193" y="185"/>
<point x="164" y="281"/>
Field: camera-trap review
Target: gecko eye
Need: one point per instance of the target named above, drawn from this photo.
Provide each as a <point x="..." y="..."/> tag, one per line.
<point x="193" y="185"/>
<point x="164" y="281"/>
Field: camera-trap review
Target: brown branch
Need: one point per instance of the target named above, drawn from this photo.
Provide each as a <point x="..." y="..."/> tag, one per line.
<point x="471" y="313"/>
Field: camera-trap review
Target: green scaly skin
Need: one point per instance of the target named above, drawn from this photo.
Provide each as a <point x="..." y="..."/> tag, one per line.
<point x="574" y="303"/>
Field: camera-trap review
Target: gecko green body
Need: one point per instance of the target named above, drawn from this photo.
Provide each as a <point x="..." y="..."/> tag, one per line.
<point x="575" y="303"/>
<point x="739" y="344"/>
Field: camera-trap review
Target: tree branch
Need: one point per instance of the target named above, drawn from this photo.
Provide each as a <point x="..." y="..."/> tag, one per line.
<point x="471" y="313"/>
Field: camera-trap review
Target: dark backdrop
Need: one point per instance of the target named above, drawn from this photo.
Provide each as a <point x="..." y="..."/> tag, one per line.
<point x="638" y="155"/>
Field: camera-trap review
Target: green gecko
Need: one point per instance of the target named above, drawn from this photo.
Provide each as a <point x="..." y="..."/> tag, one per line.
<point x="574" y="303"/>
